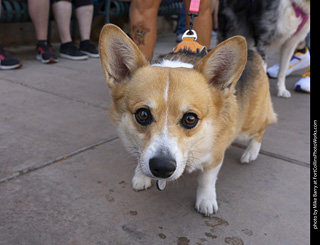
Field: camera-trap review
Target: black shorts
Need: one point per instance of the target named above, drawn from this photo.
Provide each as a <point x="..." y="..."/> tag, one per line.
<point x="77" y="3"/>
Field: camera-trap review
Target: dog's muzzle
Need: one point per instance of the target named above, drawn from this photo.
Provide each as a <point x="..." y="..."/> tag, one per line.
<point x="162" y="167"/>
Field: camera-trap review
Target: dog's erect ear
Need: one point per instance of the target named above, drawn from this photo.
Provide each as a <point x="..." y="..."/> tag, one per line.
<point x="224" y="65"/>
<point x="119" y="55"/>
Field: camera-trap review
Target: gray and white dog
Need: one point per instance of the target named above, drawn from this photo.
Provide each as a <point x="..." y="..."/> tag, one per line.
<point x="266" y="24"/>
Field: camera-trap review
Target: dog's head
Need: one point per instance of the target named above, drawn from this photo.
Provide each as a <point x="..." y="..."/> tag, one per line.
<point x="171" y="118"/>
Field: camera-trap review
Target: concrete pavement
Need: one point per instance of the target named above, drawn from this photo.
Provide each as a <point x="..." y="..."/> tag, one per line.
<point x="65" y="177"/>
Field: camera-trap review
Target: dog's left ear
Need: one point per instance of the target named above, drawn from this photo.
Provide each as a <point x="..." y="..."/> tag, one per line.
<point x="120" y="56"/>
<point x="224" y="65"/>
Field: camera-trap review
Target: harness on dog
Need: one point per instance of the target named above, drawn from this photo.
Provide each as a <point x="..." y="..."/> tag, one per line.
<point x="299" y="13"/>
<point x="190" y="36"/>
<point x="189" y="43"/>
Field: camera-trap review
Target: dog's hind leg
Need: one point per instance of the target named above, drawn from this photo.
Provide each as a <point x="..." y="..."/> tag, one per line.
<point x="261" y="49"/>
<point x="252" y="151"/>
<point x="255" y="137"/>
<point x="287" y="49"/>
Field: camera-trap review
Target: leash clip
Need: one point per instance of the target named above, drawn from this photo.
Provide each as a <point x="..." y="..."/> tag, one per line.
<point x="189" y="34"/>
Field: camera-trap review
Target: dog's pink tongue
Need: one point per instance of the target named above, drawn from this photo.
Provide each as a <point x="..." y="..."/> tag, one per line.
<point x="161" y="184"/>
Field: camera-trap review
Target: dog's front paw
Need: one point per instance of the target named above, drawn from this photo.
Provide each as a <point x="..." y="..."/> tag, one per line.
<point x="207" y="206"/>
<point x="284" y="93"/>
<point x="141" y="182"/>
<point x="206" y="202"/>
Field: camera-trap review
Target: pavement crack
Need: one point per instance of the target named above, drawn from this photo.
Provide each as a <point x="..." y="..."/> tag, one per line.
<point x="105" y="141"/>
<point x="59" y="159"/>
<point x="274" y="155"/>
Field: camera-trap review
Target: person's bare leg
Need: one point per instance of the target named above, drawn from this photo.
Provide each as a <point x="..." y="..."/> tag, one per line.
<point x="39" y="14"/>
<point x="203" y="23"/>
<point x="84" y="16"/>
<point x="214" y="11"/>
<point x="143" y="24"/>
<point x="62" y="11"/>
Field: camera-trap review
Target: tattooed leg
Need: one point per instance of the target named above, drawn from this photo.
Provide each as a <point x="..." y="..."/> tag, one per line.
<point x="139" y="33"/>
<point x="143" y="22"/>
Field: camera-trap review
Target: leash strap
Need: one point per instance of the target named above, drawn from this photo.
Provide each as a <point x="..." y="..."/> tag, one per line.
<point x="193" y="11"/>
<point x="194" y="6"/>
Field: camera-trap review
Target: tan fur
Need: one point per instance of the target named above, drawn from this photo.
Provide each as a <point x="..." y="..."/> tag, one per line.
<point x="257" y="111"/>
<point x="208" y="90"/>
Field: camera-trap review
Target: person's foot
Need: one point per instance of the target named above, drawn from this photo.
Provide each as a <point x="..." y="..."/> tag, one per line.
<point x="45" y="53"/>
<point x="300" y="60"/>
<point x="7" y="62"/>
<point x="70" y="51"/>
<point x="303" y="85"/>
<point x="89" y="49"/>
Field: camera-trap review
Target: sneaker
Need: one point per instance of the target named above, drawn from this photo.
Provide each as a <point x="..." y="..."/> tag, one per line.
<point x="70" y="51"/>
<point x="303" y="85"/>
<point x="45" y="53"/>
<point x="7" y="62"/>
<point x="298" y="61"/>
<point x="89" y="49"/>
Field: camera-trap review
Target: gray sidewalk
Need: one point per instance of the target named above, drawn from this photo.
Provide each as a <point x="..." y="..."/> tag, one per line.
<point x="65" y="177"/>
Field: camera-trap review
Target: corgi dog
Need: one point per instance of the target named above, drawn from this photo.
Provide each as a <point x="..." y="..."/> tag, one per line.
<point x="175" y="116"/>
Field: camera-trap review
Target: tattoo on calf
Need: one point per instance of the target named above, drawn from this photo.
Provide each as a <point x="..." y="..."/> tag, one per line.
<point x="139" y="32"/>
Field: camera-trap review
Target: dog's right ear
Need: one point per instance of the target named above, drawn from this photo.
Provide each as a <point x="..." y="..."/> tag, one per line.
<point x="119" y="55"/>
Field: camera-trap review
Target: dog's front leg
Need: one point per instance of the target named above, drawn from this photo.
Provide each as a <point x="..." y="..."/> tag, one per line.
<point x="286" y="52"/>
<point x="140" y="182"/>
<point x="206" y="202"/>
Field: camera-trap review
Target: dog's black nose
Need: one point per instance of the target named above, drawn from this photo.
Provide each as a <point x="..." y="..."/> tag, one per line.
<point x="162" y="167"/>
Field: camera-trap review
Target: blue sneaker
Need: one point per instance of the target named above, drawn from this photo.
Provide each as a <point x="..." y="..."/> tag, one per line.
<point x="7" y="62"/>
<point x="303" y="85"/>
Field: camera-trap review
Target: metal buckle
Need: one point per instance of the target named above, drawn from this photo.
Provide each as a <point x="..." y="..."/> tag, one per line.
<point x="186" y="34"/>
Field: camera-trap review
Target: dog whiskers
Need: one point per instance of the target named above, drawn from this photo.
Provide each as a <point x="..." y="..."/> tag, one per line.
<point x="133" y="151"/>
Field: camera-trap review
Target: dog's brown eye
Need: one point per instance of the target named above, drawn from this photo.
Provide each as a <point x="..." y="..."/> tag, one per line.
<point x="144" y="116"/>
<point x="189" y="120"/>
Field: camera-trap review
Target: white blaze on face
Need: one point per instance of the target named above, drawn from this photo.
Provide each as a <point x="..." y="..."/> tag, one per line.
<point x="165" y="96"/>
<point x="163" y="144"/>
<point x="166" y="91"/>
